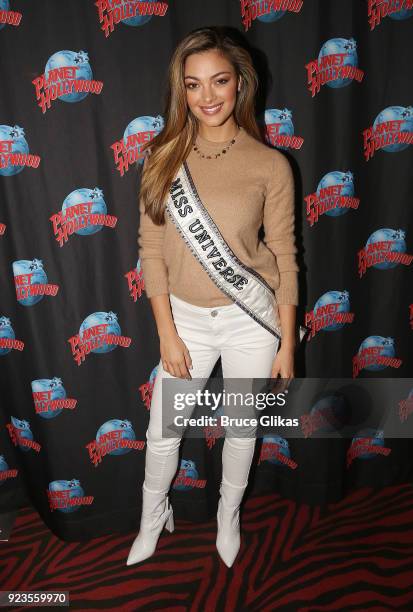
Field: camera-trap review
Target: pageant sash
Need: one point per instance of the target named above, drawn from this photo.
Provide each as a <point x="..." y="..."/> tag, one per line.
<point x="242" y="284"/>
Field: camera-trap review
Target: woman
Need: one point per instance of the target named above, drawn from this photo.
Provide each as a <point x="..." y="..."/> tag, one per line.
<point x="215" y="289"/>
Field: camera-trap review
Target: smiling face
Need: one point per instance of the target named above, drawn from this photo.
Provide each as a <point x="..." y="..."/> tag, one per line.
<point x="211" y="87"/>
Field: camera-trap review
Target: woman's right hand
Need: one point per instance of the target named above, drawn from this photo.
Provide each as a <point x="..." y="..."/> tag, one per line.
<point x="175" y="356"/>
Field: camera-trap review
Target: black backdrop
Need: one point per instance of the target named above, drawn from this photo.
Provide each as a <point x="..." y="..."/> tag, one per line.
<point x="60" y="407"/>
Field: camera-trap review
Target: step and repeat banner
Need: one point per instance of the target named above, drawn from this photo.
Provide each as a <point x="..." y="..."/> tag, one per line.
<point x="82" y="88"/>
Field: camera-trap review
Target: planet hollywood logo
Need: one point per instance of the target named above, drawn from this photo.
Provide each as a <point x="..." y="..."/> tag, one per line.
<point x="385" y="249"/>
<point x="405" y="407"/>
<point x="115" y="437"/>
<point x="326" y="416"/>
<point x="146" y="388"/>
<point x="5" y="471"/>
<point x="188" y="477"/>
<point x="375" y="353"/>
<point x="21" y="435"/>
<point x="336" y="65"/>
<point x="129" y="12"/>
<point x="99" y="333"/>
<point x="67" y="77"/>
<point x="8" y="338"/>
<point x="2" y="229"/>
<point x="84" y="213"/>
<point x="213" y="432"/>
<point x="276" y="450"/>
<point x="368" y="444"/>
<point x="333" y="197"/>
<point x="14" y="151"/>
<point x="49" y="397"/>
<point x="392" y="131"/>
<point x="267" y="11"/>
<point x="127" y="150"/>
<point x="330" y="313"/>
<point x="8" y="17"/>
<point x="136" y="282"/>
<point x="395" y="9"/>
<point x="279" y="129"/>
<point x="30" y="281"/>
<point x="67" y="495"/>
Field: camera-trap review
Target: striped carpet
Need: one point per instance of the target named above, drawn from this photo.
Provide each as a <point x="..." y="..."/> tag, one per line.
<point x="356" y="555"/>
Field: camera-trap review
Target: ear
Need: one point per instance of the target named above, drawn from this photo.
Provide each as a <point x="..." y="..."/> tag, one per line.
<point x="239" y="84"/>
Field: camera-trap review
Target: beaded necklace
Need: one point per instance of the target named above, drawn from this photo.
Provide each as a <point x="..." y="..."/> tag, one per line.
<point x="216" y="155"/>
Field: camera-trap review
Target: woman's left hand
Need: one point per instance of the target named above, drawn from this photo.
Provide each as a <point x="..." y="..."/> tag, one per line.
<point x="283" y="365"/>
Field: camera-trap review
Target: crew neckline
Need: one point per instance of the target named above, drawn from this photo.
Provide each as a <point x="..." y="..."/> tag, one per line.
<point x="214" y="145"/>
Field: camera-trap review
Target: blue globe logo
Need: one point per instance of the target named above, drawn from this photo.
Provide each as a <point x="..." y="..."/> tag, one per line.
<point x="124" y="427"/>
<point x="23" y="431"/>
<point x="398" y="245"/>
<point x="278" y="123"/>
<point x="331" y="412"/>
<point x="3" y="468"/>
<point x="387" y="350"/>
<point x="65" y="59"/>
<point x="340" y="45"/>
<point x="137" y="20"/>
<point x="282" y="448"/>
<point x="4" y="6"/>
<point x="395" y="113"/>
<point x="271" y="16"/>
<point x="187" y="470"/>
<point x="6" y="331"/>
<point x="335" y="178"/>
<point x="333" y="297"/>
<point x="402" y="14"/>
<point x="12" y="140"/>
<point x="152" y="376"/>
<point x="369" y="437"/>
<point x="83" y="195"/>
<point x="72" y="487"/>
<point x="146" y="124"/>
<point x="109" y="320"/>
<point x="54" y="389"/>
<point x="38" y="277"/>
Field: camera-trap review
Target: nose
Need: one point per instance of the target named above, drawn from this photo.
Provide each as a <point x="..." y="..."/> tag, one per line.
<point x="208" y="94"/>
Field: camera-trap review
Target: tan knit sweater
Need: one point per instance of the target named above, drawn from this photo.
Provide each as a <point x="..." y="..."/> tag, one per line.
<point x="249" y="185"/>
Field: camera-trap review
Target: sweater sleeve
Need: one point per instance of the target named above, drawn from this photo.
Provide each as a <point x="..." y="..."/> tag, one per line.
<point x="279" y="228"/>
<point x="150" y="242"/>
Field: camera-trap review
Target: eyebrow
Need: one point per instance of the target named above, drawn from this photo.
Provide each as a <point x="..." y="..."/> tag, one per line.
<point x="188" y="76"/>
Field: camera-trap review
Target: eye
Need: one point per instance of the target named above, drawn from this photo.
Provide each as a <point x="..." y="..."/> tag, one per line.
<point x="222" y="81"/>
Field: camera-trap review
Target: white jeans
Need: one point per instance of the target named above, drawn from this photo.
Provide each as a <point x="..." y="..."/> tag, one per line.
<point x="247" y="350"/>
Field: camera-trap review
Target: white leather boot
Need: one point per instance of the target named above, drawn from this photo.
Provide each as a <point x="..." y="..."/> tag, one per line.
<point x="156" y="514"/>
<point x="228" y="535"/>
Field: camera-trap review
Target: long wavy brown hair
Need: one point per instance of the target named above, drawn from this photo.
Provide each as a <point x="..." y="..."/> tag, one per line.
<point x="171" y="146"/>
